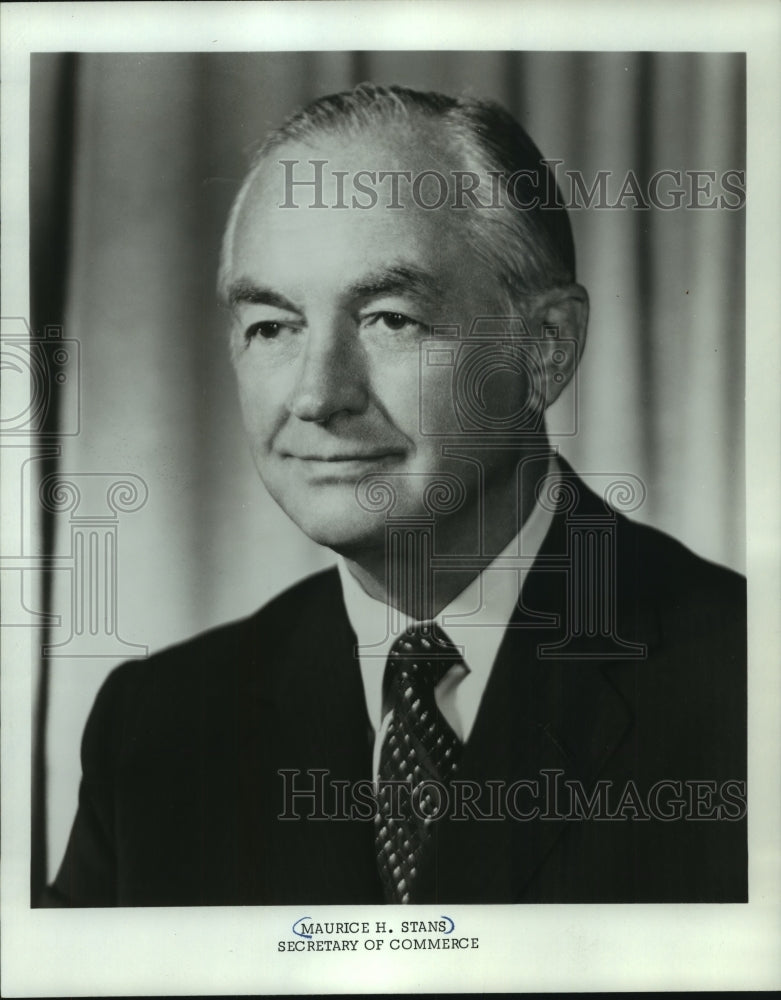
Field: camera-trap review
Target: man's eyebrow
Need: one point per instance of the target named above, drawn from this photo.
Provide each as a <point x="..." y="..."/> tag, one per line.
<point x="243" y="291"/>
<point x="394" y="279"/>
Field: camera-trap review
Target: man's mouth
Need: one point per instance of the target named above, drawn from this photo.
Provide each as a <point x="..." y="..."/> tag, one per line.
<point x="343" y="466"/>
<point x="371" y="456"/>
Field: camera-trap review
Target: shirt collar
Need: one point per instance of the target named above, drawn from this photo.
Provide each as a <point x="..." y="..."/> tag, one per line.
<point x="475" y="620"/>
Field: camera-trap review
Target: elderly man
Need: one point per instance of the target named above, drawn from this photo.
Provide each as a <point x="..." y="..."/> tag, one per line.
<point x="506" y="691"/>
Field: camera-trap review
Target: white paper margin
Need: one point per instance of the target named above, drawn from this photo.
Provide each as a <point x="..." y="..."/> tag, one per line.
<point x="218" y="950"/>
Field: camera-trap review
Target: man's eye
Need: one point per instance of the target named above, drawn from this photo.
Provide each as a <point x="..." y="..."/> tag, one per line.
<point x="394" y="321"/>
<point x="267" y="329"/>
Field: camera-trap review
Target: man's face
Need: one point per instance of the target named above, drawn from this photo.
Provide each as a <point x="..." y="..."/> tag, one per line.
<point x="331" y="306"/>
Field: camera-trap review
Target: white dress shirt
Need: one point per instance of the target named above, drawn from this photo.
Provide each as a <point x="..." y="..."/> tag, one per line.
<point x="475" y="621"/>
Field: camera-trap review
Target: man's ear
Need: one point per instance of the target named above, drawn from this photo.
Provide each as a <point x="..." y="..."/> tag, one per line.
<point x="559" y="324"/>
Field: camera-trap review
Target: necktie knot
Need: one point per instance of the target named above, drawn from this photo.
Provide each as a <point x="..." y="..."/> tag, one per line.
<point x="421" y="656"/>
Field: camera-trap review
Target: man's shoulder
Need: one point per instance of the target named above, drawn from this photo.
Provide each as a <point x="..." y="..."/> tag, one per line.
<point x="691" y="612"/>
<point x="649" y="562"/>
<point x="660" y="563"/>
<point x="318" y="594"/>
<point x="303" y="609"/>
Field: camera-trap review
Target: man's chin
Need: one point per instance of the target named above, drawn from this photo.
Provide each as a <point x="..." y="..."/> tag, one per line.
<point x="342" y="527"/>
<point x="341" y="517"/>
<point x="345" y="537"/>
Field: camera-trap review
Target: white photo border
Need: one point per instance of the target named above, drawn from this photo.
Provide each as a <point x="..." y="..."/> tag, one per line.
<point x="227" y="950"/>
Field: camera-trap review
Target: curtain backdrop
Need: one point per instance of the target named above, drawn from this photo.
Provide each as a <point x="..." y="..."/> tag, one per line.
<point x="135" y="160"/>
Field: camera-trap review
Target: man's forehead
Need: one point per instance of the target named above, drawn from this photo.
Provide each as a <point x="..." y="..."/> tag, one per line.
<point x="281" y="239"/>
<point x="338" y="188"/>
<point x="343" y="165"/>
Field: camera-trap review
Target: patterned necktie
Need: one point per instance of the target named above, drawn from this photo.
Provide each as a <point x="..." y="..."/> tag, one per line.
<point x="419" y="749"/>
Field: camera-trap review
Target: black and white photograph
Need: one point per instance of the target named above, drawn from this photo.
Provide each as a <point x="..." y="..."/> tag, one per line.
<point x="384" y="507"/>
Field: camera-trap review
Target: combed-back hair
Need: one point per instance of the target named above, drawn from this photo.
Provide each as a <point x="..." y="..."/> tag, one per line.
<point x="530" y="249"/>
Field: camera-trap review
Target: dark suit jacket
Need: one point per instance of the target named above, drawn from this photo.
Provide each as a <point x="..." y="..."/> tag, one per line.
<point x="181" y="755"/>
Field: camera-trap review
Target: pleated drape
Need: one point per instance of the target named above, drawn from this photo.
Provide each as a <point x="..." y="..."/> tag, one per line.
<point x="157" y="146"/>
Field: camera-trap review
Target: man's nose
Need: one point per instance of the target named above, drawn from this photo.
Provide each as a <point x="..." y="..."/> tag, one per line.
<point x="331" y="375"/>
